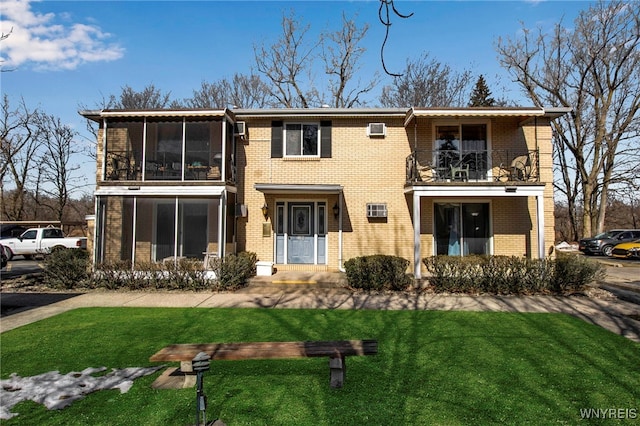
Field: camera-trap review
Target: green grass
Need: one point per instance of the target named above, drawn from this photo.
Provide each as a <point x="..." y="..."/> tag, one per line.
<point x="445" y="368"/>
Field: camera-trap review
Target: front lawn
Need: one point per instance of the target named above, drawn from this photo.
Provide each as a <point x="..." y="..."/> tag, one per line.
<point x="432" y="367"/>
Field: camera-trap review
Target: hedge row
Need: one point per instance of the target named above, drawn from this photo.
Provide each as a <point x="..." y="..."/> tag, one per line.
<point x="71" y="269"/>
<point x="510" y="274"/>
<point x="378" y="272"/>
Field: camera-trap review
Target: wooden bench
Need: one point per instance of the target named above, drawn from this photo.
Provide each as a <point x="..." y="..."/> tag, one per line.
<point x="336" y="351"/>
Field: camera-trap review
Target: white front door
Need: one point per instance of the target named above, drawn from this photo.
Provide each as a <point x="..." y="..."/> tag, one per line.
<point x="301" y="232"/>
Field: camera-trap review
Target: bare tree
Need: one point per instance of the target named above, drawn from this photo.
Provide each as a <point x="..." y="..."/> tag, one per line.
<point x="148" y="98"/>
<point x="287" y="63"/>
<point x="243" y="91"/>
<point x="594" y="67"/>
<point x="288" y="66"/>
<point x="59" y="147"/>
<point x="428" y="83"/>
<point x="342" y="51"/>
<point x="19" y="145"/>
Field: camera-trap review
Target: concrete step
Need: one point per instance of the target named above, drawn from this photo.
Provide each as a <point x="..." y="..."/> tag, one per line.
<point x="300" y="280"/>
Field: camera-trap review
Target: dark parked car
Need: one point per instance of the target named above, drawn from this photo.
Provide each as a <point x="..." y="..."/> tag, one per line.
<point x="3" y="256"/>
<point x="11" y="230"/>
<point x="604" y="243"/>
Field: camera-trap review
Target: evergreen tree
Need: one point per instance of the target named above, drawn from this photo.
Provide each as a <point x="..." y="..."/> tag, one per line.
<point x="481" y="95"/>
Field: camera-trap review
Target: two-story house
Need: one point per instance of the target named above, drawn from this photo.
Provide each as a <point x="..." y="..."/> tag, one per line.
<point x="307" y="189"/>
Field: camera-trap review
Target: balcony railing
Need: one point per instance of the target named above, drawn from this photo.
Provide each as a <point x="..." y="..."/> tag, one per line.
<point x="472" y="166"/>
<point x="128" y="166"/>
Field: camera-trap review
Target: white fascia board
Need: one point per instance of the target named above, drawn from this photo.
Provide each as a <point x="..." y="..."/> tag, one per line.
<point x="164" y="191"/>
<point x="242" y="114"/>
<point x="475" y="191"/>
<point x="165" y="113"/>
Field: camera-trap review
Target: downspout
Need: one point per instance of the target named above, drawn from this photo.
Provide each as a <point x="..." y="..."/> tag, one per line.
<point x="97" y="222"/>
<point x="340" y="264"/>
<point x="133" y="236"/>
<point x="222" y="238"/>
<point x="104" y="149"/>
<point x="417" y="247"/>
<point x="540" y="213"/>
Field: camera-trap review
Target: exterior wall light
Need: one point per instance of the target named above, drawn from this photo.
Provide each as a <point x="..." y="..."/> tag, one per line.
<point x="265" y="211"/>
<point x="336" y="210"/>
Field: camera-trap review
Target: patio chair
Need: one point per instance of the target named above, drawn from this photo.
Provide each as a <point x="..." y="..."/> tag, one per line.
<point x="521" y="168"/>
<point x="460" y="172"/>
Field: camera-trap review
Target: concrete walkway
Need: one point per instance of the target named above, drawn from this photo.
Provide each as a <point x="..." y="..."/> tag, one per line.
<point x="614" y="315"/>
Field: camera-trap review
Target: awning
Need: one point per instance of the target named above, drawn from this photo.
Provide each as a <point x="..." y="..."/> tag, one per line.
<point x="289" y="188"/>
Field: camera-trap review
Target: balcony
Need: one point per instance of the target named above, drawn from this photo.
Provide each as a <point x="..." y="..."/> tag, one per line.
<point x="440" y="166"/>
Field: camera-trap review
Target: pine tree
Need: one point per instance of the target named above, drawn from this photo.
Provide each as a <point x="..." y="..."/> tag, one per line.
<point x="481" y="95"/>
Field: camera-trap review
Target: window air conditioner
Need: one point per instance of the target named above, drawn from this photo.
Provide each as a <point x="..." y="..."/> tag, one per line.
<point x="239" y="128"/>
<point x="376" y="210"/>
<point x="377" y="129"/>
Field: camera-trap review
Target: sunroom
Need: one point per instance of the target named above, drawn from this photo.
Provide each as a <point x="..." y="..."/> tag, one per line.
<point x="149" y="225"/>
<point x="167" y="145"/>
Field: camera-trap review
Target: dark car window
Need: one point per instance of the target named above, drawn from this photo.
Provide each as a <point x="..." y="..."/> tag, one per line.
<point x="30" y="235"/>
<point x="636" y="234"/>
<point x="625" y="236"/>
<point x="52" y="233"/>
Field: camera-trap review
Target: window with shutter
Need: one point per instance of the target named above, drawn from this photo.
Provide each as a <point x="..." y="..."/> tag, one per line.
<point x="300" y="139"/>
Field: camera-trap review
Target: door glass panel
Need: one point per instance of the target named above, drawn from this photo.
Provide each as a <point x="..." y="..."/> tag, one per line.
<point x="474" y="149"/>
<point x="447" y="149"/>
<point x="475" y="228"/>
<point x="300" y="220"/>
<point x="165" y="230"/>
<point x="193" y="230"/>
<point x="462" y="229"/>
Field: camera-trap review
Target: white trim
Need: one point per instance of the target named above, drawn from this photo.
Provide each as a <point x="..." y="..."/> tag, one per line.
<point x="173" y="191"/>
<point x="476" y="191"/>
<point x="134" y="222"/>
<point x="104" y="151"/>
<point x="341" y="209"/>
<point x="222" y="230"/>
<point x="540" y="214"/>
<point x="417" y="244"/>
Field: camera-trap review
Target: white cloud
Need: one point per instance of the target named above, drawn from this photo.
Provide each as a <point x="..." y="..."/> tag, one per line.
<point x="39" y="40"/>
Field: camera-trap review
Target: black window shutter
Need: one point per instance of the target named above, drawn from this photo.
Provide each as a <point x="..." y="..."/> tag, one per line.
<point x="276" y="139"/>
<point x="325" y="139"/>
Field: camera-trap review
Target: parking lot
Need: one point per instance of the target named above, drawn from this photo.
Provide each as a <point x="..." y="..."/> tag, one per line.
<point x="20" y="266"/>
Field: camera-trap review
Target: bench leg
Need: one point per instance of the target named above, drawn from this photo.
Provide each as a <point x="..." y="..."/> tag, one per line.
<point x="337" y="368"/>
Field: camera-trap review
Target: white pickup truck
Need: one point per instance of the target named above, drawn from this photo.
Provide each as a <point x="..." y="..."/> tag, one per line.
<point x="40" y="241"/>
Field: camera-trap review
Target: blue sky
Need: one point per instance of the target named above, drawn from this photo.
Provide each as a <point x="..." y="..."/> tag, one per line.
<point x="70" y="53"/>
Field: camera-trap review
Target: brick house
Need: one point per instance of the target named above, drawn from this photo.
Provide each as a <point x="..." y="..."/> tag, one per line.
<point x="307" y="189"/>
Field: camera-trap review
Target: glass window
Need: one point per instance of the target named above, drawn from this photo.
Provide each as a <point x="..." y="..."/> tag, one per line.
<point x="124" y="150"/>
<point x="302" y="139"/>
<point x="164" y="150"/>
<point x="462" y="145"/>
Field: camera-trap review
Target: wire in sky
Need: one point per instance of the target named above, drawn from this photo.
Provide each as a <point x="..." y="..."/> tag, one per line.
<point x="385" y="19"/>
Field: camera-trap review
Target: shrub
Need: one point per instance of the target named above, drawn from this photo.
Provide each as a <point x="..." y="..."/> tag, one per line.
<point x="67" y="269"/>
<point x="377" y="272"/>
<point x="510" y="274"/>
<point x="573" y="273"/>
<point x="234" y="270"/>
